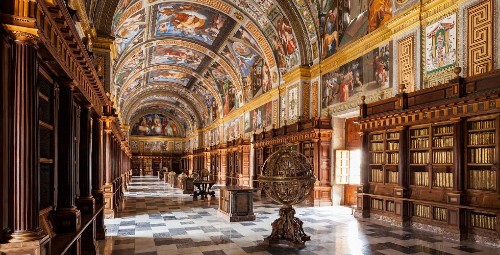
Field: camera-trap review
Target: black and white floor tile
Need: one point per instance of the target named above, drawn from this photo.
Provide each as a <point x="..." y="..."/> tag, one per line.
<point x="157" y="219"/>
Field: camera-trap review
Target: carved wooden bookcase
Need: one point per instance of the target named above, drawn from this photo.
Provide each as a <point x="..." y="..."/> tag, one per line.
<point x="432" y="159"/>
<point x="47" y="128"/>
<point x="238" y="162"/>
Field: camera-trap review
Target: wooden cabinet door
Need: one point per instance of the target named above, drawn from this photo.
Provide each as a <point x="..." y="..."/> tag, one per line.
<point x="350" y="194"/>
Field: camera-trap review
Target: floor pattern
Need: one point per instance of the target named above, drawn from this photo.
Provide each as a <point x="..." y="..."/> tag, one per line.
<point x="157" y="219"/>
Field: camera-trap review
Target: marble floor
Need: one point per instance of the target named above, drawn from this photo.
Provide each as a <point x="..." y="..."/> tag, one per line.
<point x="157" y="219"/>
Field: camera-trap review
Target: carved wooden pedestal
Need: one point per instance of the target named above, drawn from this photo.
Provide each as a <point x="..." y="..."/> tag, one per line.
<point x="109" y="195"/>
<point x="236" y="203"/>
<point x="188" y="185"/>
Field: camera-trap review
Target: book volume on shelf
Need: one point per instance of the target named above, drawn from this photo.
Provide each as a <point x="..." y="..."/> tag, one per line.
<point x="392" y="158"/>
<point x="377" y="146"/>
<point x="377" y="175"/>
<point x="419" y="143"/>
<point x="442" y="157"/>
<point x="390" y="206"/>
<point x="442" y="141"/>
<point x="420" y="157"/>
<point x="421" y="178"/>
<point x="483" y="179"/>
<point x="444" y="180"/>
<point x="378" y="204"/>
<point x="482" y="155"/>
<point x="485" y="124"/>
<point x="377" y="158"/>
<point x="393" y="146"/>
<point x="420" y="132"/>
<point x="484" y="138"/>
<point x="484" y="221"/>
<point x="443" y="130"/>
<point x="422" y="211"/>
<point x="440" y="213"/>
<point x="392" y="177"/>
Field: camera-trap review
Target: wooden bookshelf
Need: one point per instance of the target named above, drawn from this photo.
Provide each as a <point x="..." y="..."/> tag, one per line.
<point x="482" y="153"/>
<point x="46" y="127"/>
<point x="384" y="157"/>
<point x="449" y="158"/>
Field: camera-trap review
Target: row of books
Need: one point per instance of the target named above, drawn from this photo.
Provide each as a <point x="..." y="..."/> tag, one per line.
<point x="482" y="155"/>
<point x="442" y="141"/>
<point x="390" y="206"/>
<point x="443" y="130"/>
<point x="377" y="158"/>
<point x="440" y="214"/>
<point x="393" y="145"/>
<point x="419" y="157"/>
<point x="392" y="158"/>
<point x="419" y="143"/>
<point x="423" y="211"/>
<point x="443" y="180"/>
<point x="377" y="204"/>
<point x="392" y="177"/>
<point x="377" y="146"/>
<point x="377" y="175"/>
<point x="483" y="124"/>
<point x="484" y="221"/>
<point x="482" y="138"/>
<point x="483" y="179"/>
<point x="378" y="137"/>
<point x="420" y="132"/>
<point x="442" y="157"/>
<point x="393" y="135"/>
<point x="421" y="178"/>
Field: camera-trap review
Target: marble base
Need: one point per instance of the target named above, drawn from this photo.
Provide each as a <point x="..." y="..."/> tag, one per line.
<point x="35" y="247"/>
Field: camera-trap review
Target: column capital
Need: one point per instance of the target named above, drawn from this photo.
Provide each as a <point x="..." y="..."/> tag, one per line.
<point x="23" y="34"/>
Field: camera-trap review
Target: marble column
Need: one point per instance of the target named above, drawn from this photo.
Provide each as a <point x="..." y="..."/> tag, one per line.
<point x="85" y="202"/>
<point x="66" y="217"/>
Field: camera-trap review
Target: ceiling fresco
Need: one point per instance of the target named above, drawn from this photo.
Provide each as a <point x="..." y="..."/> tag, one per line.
<point x="212" y="56"/>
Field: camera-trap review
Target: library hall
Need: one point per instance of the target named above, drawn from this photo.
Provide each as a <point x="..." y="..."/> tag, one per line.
<point x="263" y="127"/>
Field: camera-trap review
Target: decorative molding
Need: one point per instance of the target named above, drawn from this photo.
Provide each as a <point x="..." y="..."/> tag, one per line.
<point x="314" y="98"/>
<point x="477" y="34"/>
<point x="305" y="99"/>
<point x="406" y="62"/>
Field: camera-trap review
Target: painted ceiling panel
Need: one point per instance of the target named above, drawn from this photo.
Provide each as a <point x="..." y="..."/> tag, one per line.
<point x="204" y="58"/>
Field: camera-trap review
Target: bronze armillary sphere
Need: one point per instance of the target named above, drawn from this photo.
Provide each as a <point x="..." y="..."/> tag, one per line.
<point x="288" y="178"/>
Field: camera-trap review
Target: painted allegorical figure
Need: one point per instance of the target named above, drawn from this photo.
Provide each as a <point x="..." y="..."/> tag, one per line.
<point x="379" y="13"/>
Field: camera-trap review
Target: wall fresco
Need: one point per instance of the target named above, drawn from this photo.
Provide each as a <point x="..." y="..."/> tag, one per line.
<point x="259" y="118"/>
<point x="232" y="129"/>
<point x="155" y="125"/>
<point x="441" y="44"/>
<point x="225" y="87"/>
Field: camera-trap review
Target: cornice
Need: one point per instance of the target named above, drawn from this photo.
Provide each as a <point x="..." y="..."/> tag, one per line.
<point x="156" y="138"/>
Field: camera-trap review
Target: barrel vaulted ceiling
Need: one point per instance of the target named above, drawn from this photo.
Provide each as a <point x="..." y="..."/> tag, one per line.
<point x="195" y="61"/>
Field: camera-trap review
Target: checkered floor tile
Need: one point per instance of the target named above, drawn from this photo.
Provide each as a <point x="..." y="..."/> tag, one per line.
<point x="157" y="219"/>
